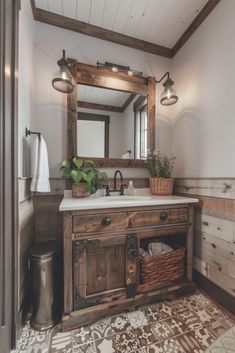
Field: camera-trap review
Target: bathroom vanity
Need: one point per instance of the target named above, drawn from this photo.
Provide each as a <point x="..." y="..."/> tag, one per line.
<point x="102" y="237"/>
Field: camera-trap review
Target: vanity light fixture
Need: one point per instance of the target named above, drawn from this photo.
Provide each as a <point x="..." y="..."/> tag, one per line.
<point x="63" y="81"/>
<point x="119" y="68"/>
<point x="168" y="96"/>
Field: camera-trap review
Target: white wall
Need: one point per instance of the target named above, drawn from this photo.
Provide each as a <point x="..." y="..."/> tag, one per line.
<point x="204" y="118"/>
<point x="25" y="86"/>
<point x="50" y="105"/>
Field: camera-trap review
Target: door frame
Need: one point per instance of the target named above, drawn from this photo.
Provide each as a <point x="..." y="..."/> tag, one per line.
<point x="9" y="20"/>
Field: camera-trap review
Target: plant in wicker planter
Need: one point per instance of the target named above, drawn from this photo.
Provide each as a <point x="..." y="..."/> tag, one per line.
<point x="84" y="175"/>
<point x="161" y="167"/>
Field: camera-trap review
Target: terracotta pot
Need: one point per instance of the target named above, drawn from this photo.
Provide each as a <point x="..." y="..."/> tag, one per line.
<point x="161" y="186"/>
<point x="79" y="190"/>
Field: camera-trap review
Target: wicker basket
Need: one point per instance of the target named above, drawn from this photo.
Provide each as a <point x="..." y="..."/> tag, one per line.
<point x="162" y="270"/>
<point x="161" y="186"/>
<point x="79" y="190"/>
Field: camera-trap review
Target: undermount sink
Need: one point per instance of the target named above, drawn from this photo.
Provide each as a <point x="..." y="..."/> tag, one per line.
<point x="126" y="198"/>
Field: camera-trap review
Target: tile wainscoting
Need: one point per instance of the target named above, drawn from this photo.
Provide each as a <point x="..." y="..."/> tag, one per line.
<point x="214" y="237"/>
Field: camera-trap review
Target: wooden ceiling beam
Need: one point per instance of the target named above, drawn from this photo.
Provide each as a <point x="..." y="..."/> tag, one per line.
<point x="128" y="101"/>
<point x="118" y="38"/>
<point x="210" y="5"/>
<point x="98" y="106"/>
<point x="97" y="32"/>
<point x="109" y="108"/>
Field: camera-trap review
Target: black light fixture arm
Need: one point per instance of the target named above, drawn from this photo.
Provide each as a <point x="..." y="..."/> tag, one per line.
<point x="63" y="60"/>
<point x="166" y="74"/>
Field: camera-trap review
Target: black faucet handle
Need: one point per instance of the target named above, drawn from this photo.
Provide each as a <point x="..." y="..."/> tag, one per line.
<point x="122" y="189"/>
<point x="107" y="193"/>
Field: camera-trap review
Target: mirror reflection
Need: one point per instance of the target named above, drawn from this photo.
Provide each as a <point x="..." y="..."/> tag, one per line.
<point x="111" y="124"/>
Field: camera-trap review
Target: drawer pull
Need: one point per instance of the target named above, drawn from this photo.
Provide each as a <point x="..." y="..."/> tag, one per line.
<point x="132" y="254"/>
<point x="163" y="216"/>
<point x="106" y="221"/>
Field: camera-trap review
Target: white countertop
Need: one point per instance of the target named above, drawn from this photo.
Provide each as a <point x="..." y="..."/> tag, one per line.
<point x="141" y="198"/>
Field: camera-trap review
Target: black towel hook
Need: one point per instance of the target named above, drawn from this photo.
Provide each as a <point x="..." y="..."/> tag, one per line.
<point x="29" y="133"/>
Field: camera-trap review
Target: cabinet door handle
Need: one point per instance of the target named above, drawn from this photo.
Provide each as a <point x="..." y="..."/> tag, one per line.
<point x="106" y="221"/>
<point x="163" y="216"/>
<point x="132" y="254"/>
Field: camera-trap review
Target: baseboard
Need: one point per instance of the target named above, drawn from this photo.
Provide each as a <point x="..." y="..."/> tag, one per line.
<point x="215" y="292"/>
<point x="21" y="317"/>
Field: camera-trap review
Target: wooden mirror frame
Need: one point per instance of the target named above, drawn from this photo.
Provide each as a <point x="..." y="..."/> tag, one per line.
<point x="103" y="78"/>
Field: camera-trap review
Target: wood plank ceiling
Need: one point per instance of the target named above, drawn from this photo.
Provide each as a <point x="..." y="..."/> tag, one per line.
<point x="102" y="96"/>
<point x="104" y="99"/>
<point x="160" y="23"/>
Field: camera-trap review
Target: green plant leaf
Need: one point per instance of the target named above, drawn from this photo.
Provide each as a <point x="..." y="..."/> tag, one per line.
<point x="77" y="176"/>
<point x="159" y="164"/>
<point x="78" y="162"/>
<point x="103" y="177"/>
<point x="83" y="171"/>
<point x="65" y="164"/>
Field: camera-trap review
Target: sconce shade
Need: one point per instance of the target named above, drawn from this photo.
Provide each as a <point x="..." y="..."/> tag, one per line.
<point x="168" y="96"/>
<point x="63" y="81"/>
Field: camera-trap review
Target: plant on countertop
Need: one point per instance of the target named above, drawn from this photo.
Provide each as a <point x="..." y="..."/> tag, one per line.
<point x="161" y="167"/>
<point x="83" y="172"/>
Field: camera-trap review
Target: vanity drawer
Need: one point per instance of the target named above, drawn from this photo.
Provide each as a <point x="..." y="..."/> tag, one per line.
<point x="158" y="217"/>
<point x="100" y="222"/>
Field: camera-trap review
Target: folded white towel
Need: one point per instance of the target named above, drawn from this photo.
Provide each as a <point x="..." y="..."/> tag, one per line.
<point x="40" y="168"/>
<point x="158" y="248"/>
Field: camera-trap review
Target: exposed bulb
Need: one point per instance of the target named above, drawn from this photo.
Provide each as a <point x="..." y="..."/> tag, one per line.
<point x="168" y="94"/>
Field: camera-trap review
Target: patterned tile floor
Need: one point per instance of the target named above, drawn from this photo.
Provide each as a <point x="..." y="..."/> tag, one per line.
<point x="187" y="325"/>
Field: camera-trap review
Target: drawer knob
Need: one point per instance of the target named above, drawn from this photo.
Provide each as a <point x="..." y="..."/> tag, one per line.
<point x="163" y="216"/>
<point x="106" y="221"/>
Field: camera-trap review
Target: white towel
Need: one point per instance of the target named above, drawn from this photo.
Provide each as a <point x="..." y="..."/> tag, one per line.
<point x="40" y="168"/>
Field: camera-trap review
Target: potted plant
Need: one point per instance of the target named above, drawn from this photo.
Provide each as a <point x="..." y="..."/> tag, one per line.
<point x="84" y="175"/>
<point x="161" y="167"/>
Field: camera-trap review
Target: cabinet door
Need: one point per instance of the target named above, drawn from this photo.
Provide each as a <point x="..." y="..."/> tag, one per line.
<point x="104" y="269"/>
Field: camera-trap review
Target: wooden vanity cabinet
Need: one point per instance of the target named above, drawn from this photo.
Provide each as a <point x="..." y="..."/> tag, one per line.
<point x="101" y="258"/>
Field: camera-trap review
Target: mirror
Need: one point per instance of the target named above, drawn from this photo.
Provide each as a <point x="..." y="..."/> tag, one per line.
<point x="115" y="123"/>
<point x="111" y="116"/>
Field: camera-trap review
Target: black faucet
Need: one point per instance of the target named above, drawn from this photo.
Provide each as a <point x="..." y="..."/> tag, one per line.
<point x="121" y="190"/>
<point x="115" y="179"/>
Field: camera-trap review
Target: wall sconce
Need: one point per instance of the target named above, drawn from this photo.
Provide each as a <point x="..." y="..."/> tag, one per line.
<point x="119" y="68"/>
<point x="63" y="81"/>
<point x="168" y="96"/>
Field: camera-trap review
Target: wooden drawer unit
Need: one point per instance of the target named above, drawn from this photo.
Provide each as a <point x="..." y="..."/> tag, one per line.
<point x="158" y="217"/>
<point x="123" y="220"/>
<point x="100" y="222"/>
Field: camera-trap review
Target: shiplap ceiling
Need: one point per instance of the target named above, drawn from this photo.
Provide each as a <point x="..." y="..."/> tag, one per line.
<point x="160" y="22"/>
<point x="102" y="96"/>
